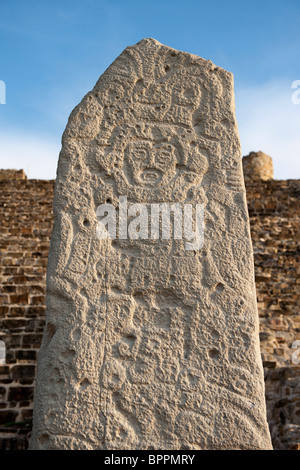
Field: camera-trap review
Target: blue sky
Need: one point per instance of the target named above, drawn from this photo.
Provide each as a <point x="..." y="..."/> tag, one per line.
<point x="53" y="52"/>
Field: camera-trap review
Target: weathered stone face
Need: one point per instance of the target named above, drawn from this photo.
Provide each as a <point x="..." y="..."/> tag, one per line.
<point x="257" y="166"/>
<point x="13" y="175"/>
<point x="148" y="343"/>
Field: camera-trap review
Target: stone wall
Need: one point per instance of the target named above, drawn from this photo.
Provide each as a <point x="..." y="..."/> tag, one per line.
<point x="257" y="166"/>
<point x="6" y="175"/>
<point x="274" y="212"/>
<point x="26" y="224"/>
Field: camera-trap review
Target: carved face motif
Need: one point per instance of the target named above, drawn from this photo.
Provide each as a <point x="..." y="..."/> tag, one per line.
<point x="150" y="164"/>
<point x="184" y="95"/>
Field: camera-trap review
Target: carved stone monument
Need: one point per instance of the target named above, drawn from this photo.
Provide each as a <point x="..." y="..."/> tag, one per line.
<point x="257" y="166"/>
<point x="151" y="337"/>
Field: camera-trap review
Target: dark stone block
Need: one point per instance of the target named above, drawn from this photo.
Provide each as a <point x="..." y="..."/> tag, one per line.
<point x="24" y="374"/>
<point x="8" y="416"/>
<point x="20" y="394"/>
<point x="29" y="355"/>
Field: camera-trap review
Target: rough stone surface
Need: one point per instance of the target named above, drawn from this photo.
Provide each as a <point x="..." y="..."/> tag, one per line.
<point x="13" y="175"/>
<point x="274" y="214"/>
<point x="26" y="224"/>
<point x="148" y="345"/>
<point x="283" y="406"/>
<point x="274" y="219"/>
<point x="257" y="165"/>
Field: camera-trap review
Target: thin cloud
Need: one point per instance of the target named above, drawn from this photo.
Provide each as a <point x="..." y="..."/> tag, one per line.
<point x="36" y="156"/>
<point x="269" y="121"/>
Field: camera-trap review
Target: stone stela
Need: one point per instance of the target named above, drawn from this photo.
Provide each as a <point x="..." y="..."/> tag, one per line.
<point x="148" y="345"/>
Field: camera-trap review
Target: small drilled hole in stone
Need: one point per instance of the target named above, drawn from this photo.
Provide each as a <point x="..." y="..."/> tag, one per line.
<point x="215" y="334"/>
<point x="50" y="331"/>
<point x="84" y="384"/>
<point x="76" y="334"/>
<point x="67" y="356"/>
<point x="214" y="354"/>
<point x="86" y="223"/>
<point x="43" y="439"/>
<point x="219" y="287"/>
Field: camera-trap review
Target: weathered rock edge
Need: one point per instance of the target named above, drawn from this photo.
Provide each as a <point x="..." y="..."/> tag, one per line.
<point x="150" y="346"/>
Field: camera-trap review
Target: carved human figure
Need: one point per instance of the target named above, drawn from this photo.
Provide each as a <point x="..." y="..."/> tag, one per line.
<point x="147" y="344"/>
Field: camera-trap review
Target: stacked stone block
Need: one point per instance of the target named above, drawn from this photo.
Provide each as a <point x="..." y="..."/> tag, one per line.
<point x="274" y="217"/>
<point x="26" y="225"/>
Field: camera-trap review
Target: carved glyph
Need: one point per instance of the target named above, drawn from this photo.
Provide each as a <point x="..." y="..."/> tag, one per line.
<point x="149" y="345"/>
